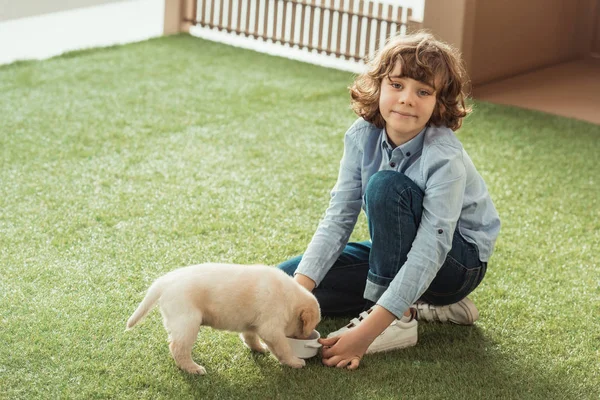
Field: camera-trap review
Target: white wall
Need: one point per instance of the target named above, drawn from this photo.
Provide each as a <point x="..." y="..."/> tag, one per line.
<point x="47" y="35"/>
<point x="15" y="9"/>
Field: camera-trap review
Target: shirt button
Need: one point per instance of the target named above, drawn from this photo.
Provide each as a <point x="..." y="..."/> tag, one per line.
<point x="392" y="164"/>
<point x="408" y="154"/>
<point x="440" y="231"/>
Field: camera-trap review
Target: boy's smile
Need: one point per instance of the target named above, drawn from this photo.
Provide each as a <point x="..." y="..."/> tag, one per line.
<point x="406" y="105"/>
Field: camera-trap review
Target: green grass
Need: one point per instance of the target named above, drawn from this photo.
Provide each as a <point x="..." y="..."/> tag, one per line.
<point x="120" y="164"/>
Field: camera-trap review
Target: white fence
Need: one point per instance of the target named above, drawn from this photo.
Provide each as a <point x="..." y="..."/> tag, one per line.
<point x="334" y="33"/>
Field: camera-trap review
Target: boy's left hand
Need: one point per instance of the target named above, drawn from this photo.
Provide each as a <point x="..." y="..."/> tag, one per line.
<point x="345" y="350"/>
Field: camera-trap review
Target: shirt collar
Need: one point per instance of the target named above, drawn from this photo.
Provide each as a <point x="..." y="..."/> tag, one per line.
<point x="409" y="148"/>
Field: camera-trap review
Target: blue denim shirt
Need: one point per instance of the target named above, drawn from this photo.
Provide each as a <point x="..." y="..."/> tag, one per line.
<point x="455" y="197"/>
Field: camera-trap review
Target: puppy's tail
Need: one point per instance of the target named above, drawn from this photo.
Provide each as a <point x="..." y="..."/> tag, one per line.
<point x="146" y="305"/>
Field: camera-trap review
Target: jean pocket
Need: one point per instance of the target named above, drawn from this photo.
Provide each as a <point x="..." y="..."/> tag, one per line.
<point x="454" y="280"/>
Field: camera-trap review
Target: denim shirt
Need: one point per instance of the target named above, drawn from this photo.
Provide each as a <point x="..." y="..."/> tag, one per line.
<point x="455" y="197"/>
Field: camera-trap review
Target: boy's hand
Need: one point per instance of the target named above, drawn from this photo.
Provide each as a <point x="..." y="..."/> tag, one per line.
<point x="344" y="351"/>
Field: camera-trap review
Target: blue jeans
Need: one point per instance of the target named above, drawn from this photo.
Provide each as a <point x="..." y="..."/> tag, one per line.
<point x="393" y="223"/>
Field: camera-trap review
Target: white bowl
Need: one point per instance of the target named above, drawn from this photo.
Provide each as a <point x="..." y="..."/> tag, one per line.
<point x="306" y="348"/>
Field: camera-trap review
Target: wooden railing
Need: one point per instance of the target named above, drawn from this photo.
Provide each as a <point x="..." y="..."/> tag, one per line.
<point x="346" y="29"/>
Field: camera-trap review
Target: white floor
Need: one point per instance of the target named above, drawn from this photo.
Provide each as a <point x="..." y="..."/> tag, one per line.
<point x="48" y="35"/>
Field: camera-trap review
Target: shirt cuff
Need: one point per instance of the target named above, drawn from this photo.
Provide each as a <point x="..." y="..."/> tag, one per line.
<point x="393" y="303"/>
<point x="312" y="271"/>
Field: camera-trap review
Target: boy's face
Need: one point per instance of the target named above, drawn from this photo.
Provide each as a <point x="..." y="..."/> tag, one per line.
<point x="406" y="105"/>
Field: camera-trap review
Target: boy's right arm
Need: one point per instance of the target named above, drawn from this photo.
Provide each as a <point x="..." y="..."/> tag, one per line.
<point x="335" y="228"/>
<point x="305" y="281"/>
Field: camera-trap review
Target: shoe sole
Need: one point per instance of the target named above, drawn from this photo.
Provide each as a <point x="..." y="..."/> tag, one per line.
<point x="471" y="310"/>
<point x="397" y="345"/>
<point x="408" y="342"/>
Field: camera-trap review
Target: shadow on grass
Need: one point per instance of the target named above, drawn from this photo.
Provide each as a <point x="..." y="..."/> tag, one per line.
<point x="449" y="362"/>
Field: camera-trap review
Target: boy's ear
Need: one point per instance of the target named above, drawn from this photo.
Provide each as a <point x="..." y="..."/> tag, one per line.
<point x="441" y="109"/>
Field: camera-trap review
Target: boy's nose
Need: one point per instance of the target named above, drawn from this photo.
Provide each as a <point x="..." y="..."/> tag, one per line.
<point x="405" y="98"/>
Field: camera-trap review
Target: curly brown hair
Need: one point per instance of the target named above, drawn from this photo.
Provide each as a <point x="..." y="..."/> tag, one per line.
<point x="425" y="59"/>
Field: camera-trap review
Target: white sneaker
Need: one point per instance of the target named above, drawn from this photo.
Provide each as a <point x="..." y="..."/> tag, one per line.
<point x="400" y="334"/>
<point x="353" y="322"/>
<point x="462" y="313"/>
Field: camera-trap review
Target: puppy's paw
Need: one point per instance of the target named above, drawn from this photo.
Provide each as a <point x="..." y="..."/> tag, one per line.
<point x="253" y="342"/>
<point x="261" y="348"/>
<point x="197" y="370"/>
<point x="295" y="362"/>
<point x="258" y="347"/>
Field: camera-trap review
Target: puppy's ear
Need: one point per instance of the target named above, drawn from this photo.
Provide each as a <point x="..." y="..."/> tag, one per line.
<point x="309" y="318"/>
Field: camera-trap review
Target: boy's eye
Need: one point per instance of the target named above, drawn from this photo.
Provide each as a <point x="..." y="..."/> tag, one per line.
<point x="396" y="85"/>
<point x="424" y="93"/>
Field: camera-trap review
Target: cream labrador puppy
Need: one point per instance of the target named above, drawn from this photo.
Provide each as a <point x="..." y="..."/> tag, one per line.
<point x="259" y="301"/>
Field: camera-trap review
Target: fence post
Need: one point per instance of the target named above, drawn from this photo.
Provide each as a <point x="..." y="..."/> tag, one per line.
<point x="178" y="14"/>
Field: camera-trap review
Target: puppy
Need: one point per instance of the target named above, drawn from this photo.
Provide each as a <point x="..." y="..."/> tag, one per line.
<point x="259" y="301"/>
